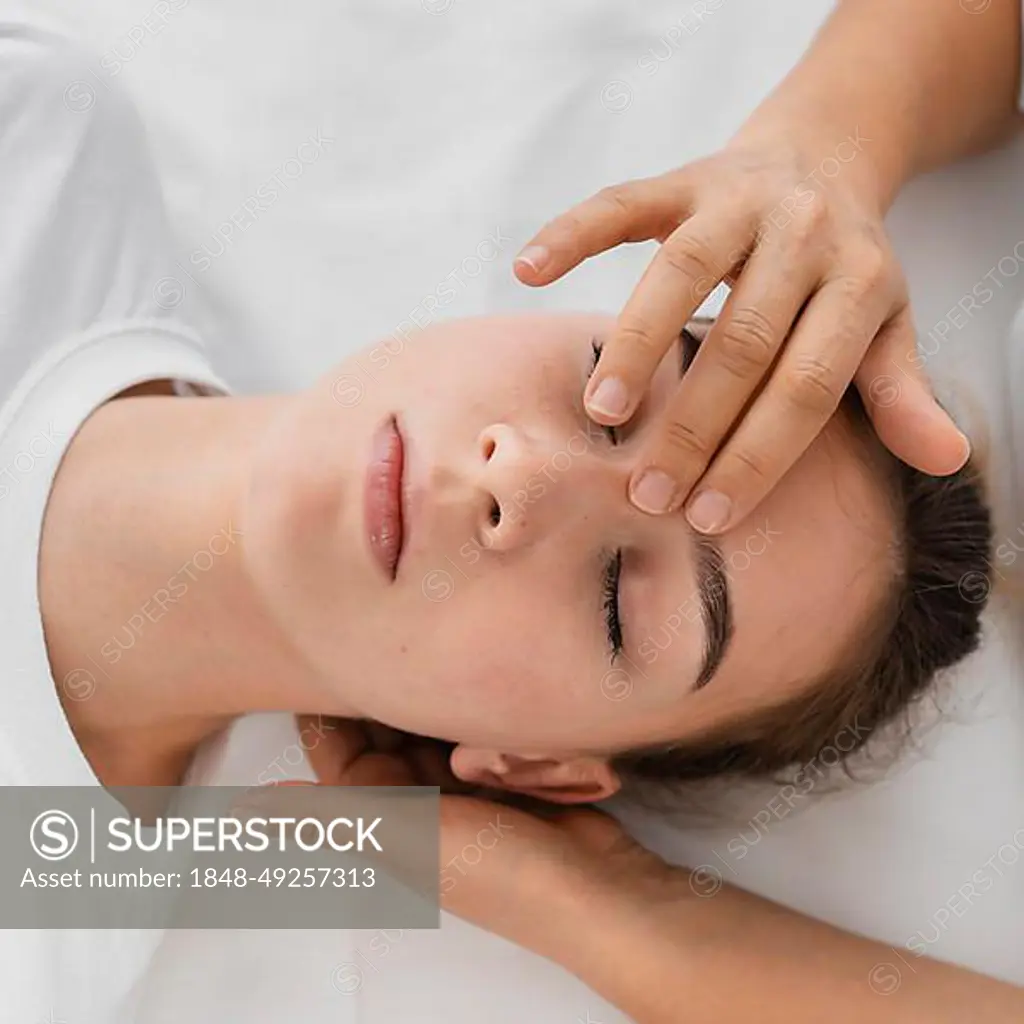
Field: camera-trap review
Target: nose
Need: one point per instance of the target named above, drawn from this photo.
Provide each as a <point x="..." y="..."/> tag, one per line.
<point x="523" y="486"/>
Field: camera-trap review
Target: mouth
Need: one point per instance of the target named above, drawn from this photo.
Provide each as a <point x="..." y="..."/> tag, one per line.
<point x="384" y="517"/>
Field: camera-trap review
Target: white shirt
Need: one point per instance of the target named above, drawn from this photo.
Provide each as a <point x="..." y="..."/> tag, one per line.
<point x="88" y="307"/>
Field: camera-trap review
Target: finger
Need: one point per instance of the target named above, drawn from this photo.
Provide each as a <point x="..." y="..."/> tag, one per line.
<point x="370" y="770"/>
<point x="732" y="362"/>
<point x="340" y="743"/>
<point x="596" y="830"/>
<point x="694" y="258"/>
<point x="632" y="212"/>
<point x="383" y="738"/>
<point x="379" y="770"/>
<point x="802" y="394"/>
<point x="898" y="398"/>
<point x="431" y="762"/>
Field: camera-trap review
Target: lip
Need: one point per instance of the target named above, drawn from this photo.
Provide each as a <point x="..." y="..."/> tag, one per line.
<point x="384" y="516"/>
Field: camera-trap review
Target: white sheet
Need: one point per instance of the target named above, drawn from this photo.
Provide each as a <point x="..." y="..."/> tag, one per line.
<point x="451" y="120"/>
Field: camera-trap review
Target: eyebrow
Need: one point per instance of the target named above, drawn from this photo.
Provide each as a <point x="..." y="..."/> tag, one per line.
<point x="712" y="579"/>
<point x="715" y="606"/>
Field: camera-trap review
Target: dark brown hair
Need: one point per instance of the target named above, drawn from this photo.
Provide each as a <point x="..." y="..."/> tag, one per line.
<point x="928" y="620"/>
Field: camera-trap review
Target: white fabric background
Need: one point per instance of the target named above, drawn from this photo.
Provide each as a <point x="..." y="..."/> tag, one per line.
<point x="452" y="119"/>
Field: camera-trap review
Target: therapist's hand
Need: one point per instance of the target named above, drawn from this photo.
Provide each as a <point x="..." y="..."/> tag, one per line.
<point x="527" y="875"/>
<point x="818" y="300"/>
<point x="649" y="937"/>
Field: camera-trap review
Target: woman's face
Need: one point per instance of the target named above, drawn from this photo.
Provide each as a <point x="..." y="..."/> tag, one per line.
<point x="533" y="610"/>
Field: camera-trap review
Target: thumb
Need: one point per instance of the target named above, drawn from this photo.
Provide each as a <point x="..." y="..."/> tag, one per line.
<point x="899" y="401"/>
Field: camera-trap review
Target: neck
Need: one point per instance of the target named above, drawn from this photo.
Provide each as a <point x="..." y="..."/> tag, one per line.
<point x="155" y="635"/>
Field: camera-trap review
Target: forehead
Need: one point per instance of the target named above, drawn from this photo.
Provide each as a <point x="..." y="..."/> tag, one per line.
<point x="804" y="572"/>
<point x="529" y="337"/>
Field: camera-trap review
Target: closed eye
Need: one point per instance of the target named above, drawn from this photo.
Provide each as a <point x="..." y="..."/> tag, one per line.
<point x="610" y="600"/>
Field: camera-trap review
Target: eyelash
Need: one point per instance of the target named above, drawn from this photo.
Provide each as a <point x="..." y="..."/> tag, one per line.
<point x="610" y="595"/>
<point x="613" y="570"/>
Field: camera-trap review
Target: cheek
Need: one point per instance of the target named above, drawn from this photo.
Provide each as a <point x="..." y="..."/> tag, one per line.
<point x="500" y="638"/>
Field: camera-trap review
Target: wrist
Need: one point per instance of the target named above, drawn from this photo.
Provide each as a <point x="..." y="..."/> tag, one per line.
<point x="606" y="911"/>
<point x="626" y="939"/>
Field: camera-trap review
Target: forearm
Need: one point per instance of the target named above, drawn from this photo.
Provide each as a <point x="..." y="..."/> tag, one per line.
<point x="668" y="955"/>
<point x="926" y="81"/>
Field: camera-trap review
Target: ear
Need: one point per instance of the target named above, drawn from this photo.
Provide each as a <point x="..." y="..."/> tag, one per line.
<point x="574" y="780"/>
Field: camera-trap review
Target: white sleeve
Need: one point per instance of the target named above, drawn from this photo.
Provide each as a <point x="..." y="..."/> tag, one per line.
<point x="84" y="244"/>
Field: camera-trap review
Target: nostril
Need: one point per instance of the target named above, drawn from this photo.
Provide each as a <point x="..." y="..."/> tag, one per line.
<point x="495" y="513"/>
<point x="489" y="446"/>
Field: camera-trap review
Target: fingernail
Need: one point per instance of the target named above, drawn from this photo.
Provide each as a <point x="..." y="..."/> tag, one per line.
<point x="709" y="511"/>
<point x="653" y="492"/>
<point x="610" y="398"/>
<point x="535" y="257"/>
<point x="967" y="447"/>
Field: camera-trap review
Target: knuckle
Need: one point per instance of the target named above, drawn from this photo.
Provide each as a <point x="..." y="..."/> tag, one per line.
<point x="745" y="192"/>
<point x="572" y="222"/>
<point x="618" y="199"/>
<point x="864" y="277"/>
<point x="745" y="462"/>
<point x="689" y="257"/>
<point x="853" y="289"/>
<point x="810" y="221"/>
<point x="817" y="209"/>
<point x="746" y="343"/>
<point x="872" y="265"/>
<point x="682" y="439"/>
<point x="848" y="329"/>
<point x="814" y="387"/>
<point x="637" y="339"/>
